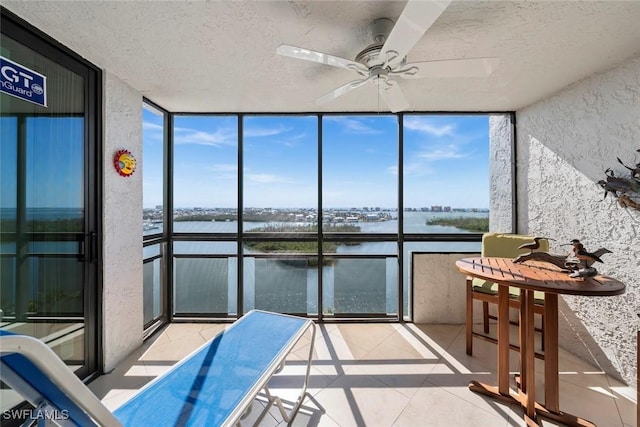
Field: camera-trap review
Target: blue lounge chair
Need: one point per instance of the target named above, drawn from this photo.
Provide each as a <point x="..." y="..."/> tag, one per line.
<point x="214" y="386"/>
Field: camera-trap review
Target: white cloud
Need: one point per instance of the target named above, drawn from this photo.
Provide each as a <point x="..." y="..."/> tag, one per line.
<point x="417" y="168"/>
<point x="225" y="171"/>
<point x="222" y="136"/>
<point x="152" y="126"/>
<point x="292" y="141"/>
<point x="264" y="178"/>
<point x="256" y="131"/>
<point x="353" y="125"/>
<point x="422" y="125"/>
<point x="446" y="152"/>
<point x="224" y="167"/>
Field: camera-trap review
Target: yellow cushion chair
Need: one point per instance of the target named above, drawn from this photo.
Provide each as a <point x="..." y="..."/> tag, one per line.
<point x="505" y="246"/>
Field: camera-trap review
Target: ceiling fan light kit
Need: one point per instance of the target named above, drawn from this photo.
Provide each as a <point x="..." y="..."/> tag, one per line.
<point x="383" y="61"/>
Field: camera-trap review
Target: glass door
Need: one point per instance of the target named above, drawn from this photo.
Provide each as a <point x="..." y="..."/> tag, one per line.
<point x="48" y="201"/>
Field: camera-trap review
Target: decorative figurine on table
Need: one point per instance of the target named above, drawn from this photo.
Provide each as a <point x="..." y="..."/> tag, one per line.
<point x="578" y="264"/>
<point x="535" y="245"/>
<point x="557" y="260"/>
<point x="582" y="261"/>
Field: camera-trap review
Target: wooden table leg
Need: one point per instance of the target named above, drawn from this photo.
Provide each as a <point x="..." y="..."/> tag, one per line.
<point x="522" y="341"/>
<point x="551" y="381"/>
<point x="502" y="392"/>
<point x="503" y="340"/>
<point x="527" y="356"/>
<point x="527" y="379"/>
<point x="551" y="408"/>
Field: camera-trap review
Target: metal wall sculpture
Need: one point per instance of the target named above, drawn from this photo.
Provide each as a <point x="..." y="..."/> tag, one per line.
<point x="626" y="188"/>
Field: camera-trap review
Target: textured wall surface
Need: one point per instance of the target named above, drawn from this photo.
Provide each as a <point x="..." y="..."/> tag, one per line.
<point x="122" y="216"/>
<point x="565" y="143"/>
<point x="439" y="289"/>
<point x="500" y="172"/>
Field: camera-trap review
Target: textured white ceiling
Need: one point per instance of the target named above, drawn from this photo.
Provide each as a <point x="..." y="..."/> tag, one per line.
<point x="219" y="56"/>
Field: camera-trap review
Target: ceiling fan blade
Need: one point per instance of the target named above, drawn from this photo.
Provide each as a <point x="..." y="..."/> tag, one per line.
<point x="449" y="68"/>
<point x="348" y="87"/>
<point x="393" y="97"/>
<point x="319" y="57"/>
<point x="415" y="20"/>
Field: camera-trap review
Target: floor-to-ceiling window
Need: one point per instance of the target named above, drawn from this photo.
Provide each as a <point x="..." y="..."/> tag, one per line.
<point x="360" y="215"/>
<point x="205" y="216"/>
<point x="155" y="222"/>
<point x="49" y="197"/>
<point x="445" y="191"/>
<point x="280" y="213"/>
<point x="318" y="214"/>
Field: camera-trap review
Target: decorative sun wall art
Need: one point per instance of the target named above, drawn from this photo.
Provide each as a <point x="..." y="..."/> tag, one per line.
<point x="124" y="162"/>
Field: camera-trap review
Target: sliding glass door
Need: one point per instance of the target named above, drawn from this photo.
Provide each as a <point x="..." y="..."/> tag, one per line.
<point x="48" y="202"/>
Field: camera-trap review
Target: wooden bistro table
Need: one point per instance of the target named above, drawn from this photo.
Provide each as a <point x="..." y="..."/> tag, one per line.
<point x="532" y="276"/>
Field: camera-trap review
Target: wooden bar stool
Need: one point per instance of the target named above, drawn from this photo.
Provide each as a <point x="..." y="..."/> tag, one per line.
<point x="506" y="246"/>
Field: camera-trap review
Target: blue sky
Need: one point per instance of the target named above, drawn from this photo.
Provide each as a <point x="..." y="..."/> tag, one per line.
<point x="446" y="161"/>
<point x="55" y="162"/>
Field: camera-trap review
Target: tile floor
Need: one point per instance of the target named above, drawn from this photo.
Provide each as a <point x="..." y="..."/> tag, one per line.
<point x="385" y="375"/>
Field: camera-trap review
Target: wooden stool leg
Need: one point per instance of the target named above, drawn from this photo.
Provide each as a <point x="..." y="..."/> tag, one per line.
<point x="469" y="323"/>
<point x="542" y="333"/>
<point x="485" y="316"/>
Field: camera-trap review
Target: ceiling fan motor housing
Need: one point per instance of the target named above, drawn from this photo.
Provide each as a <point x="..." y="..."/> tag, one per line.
<point x="370" y="56"/>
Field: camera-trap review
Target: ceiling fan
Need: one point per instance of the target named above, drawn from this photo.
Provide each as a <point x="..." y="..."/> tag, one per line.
<point x="383" y="61"/>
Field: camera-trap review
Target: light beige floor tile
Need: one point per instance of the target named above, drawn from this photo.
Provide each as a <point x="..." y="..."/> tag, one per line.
<point x="252" y="416"/>
<point x="117" y="397"/>
<point x="155" y="369"/>
<point x="211" y="330"/>
<point x="158" y="338"/>
<point x="361" y="401"/>
<point x="403" y="377"/>
<point x="591" y="404"/>
<point x="393" y="349"/>
<point x="626" y="401"/>
<point x="311" y="414"/>
<point x="381" y="374"/>
<point x="365" y="335"/>
<point x="435" y="406"/>
<point x="334" y="348"/>
<point x="288" y="383"/>
<point x="484" y="355"/>
<point x="411" y="346"/>
<point x="175" y="349"/>
<point x="181" y="330"/>
<point x="321" y="349"/>
<point x="396" y="362"/>
<point x="327" y="326"/>
<point x="124" y="366"/>
<point x="437" y="338"/>
<point x="108" y="385"/>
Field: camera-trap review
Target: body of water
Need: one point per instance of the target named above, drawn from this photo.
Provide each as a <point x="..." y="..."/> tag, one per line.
<point x="43" y="214"/>
<point x="414" y="222"/>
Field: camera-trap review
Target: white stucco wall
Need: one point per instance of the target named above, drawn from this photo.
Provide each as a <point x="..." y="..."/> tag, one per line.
<point x="122" y="224"/>
<point x="439" y="290"/>
<point x="501" y="162"/>
<point x="565" y="143"/>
